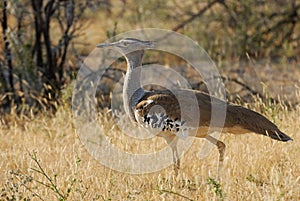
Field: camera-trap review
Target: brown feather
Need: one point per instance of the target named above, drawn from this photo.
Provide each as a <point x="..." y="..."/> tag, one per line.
<point x="238" y="120"/>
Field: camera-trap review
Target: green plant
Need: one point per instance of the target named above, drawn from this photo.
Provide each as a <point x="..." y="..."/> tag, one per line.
<point x="24" y="186"/>
<point x="216" y="187"/>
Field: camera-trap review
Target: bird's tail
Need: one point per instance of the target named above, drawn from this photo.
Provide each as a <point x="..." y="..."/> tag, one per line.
<point x="278" y="135"/>
<point x="257" y="123"/>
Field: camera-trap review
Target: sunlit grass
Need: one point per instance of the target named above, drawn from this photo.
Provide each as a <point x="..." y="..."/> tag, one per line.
<point x="255" y="167"/>
<point x="42" y="157"/>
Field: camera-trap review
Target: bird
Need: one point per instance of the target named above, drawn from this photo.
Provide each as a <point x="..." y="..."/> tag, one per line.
<point x="160" y="110"/>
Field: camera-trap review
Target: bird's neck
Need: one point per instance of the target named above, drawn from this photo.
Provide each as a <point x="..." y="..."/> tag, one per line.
<point x="132" y="90"/>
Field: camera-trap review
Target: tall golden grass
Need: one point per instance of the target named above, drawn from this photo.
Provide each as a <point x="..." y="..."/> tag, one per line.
<point x="42" y="158"/>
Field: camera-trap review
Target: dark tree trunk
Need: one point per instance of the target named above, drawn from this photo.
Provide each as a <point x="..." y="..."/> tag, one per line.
<point x="48" y="11"/>
<point x="7" y="50"/>
<point x="38" y="22"/>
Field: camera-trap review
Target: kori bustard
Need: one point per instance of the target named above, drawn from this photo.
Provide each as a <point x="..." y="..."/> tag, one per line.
<point x="141" y="105"/>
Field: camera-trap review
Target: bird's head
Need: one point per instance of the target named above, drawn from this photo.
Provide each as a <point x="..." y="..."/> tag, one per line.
<point x="128" y="45"/>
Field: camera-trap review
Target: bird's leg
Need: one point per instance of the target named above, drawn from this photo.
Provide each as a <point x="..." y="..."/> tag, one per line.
<point x="176" y="159"/>
<point x="221" y="147"/>
<point x="172" y="142"/>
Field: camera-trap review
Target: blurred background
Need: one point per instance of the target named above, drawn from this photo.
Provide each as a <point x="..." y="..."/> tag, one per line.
<point x="255" y="45"/>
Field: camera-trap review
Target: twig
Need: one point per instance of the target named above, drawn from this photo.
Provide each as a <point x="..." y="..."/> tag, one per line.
<point x="174" y="193"/>
<point x="26" y="187"/>
<point x="41" y="171"/>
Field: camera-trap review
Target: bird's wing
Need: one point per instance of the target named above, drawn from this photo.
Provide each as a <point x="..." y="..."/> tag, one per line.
<point x="190" y="105"/>
<point x="187" y="105"/>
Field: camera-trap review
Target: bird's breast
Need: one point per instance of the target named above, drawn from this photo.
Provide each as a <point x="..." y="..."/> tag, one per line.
<point x="156" y="122"/>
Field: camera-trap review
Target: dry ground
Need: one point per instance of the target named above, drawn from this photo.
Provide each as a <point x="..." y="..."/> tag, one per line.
<point x="255" y="168"/>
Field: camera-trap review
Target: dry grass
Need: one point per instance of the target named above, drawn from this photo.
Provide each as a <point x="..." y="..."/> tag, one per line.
<point x="256" y="167"/>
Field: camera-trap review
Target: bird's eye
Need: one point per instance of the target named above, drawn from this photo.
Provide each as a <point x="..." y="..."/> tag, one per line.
<point x="125" y="44"/>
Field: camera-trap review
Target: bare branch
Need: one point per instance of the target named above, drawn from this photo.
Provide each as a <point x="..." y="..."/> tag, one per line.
<point x="194" y="16"/>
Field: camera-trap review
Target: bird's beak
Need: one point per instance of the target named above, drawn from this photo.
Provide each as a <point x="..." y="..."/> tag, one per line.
<point x="148" y="44"/>
<point x="102" y="45"/>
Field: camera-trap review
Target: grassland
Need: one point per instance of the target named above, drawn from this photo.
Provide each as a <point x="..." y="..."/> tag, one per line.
<point x="42" y="158"/>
